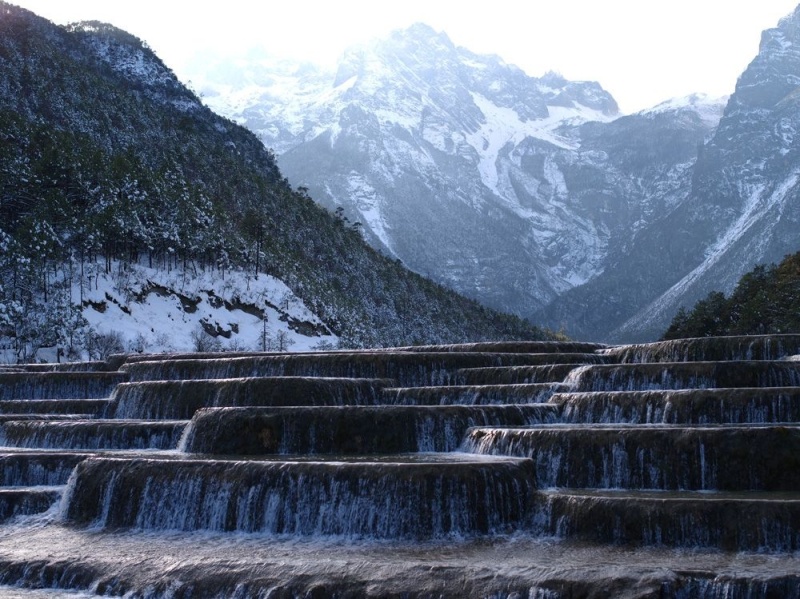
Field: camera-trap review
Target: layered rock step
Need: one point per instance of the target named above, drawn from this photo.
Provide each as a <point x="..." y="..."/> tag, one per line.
<point x="685" y="375"/>
<point x="684" y="406"/>
<point x="399" y="499"/>
<point x="180" y="399"/>
<point x="708" y="349"/>
<point x="408" y="369"/>
<point x="432" y="442"/>
<point x="58" y="385"/>
<point x="348" y="430"/>
<point x="657" y="457"/>
<point x="477" y="395"/>
<point x="745" y="521"/>
<point x="279" y="411"/>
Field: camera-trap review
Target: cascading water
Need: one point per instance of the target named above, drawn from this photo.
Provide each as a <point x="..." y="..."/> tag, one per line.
<point x="59" y="385"/>
<point x="651" y="457"/>
<point x="684" y="375"/>
<point x="477" y="395"/>
<point x="704" y="349"/>
<point x="93" y="434"/>
<point x="348" y="430"/>
<point x="334" y="474"/>
<point x="696" y="406"/>
<point x="407" y="369"/>
<point x="179" y="400"/>
<point x="374" y="500"/>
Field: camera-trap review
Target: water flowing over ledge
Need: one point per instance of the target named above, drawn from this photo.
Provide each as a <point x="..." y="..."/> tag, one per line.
<point x="479" y="470"/>
<point x="374" y="500"/>
<point x="348" y="430"/>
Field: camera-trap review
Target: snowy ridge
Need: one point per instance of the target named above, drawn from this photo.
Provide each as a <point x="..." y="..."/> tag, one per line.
<point x="759" y="204"/>
<point x="503" y="126"/>
<point x="508" y="188"/>
<point x="706" y="107"/>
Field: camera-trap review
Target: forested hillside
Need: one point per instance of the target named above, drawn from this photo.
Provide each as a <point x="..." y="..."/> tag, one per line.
<point x="766" y="300"/>
<point x="107" y="161"/>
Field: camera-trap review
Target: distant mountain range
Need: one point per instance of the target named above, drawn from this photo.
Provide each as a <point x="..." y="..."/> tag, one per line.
<point x="533" y="194"/>
<point x="130" y="211"/>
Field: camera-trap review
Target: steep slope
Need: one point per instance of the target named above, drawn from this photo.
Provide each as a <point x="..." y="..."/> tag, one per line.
<point x="742" y="209"/>
<point x="765" y="301"/>
<point x="512" y="189"/>
<point x="108" y="164"/>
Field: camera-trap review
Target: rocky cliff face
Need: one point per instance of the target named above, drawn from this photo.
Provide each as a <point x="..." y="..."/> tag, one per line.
<point x="509" y="188"/>
<point x="743" y="207"/>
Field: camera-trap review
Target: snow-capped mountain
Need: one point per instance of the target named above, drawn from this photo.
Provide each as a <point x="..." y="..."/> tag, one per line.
<point x="509" y="188"/>
<point x="743" y="207"/>
<point x="133" y="216"/>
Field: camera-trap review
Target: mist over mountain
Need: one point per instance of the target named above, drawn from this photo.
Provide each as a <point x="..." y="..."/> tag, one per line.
<point x="533" y="194"/>
<point x="126" y="206"/>
<point x="509" y="188"/>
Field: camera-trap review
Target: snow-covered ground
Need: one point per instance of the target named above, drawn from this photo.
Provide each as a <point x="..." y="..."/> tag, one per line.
<point x="139" y="309"/>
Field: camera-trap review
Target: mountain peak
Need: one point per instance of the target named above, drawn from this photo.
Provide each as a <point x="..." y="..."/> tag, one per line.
<point x="421" y="33"/>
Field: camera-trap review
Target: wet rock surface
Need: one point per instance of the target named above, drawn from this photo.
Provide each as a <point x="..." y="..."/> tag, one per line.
<point x="418" y="472"/>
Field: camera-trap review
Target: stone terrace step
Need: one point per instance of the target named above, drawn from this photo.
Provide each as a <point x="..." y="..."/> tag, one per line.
<point x="652" y="457"/>
<point x="731" y="521"/>
<point x="21" y="501"/>
<point x="706" y="349"/>
<point x="348" y="429"/>
<point x="358" y="499"/>
<point x="93" y="434"/>
<point x="685" y="406"/>
<point x="515" y="375"/>
<point x="178" y="400"/>
<point x="514" y="347"/>
<point x="684" y="375"/>
<point x="469" y="395"/>
<point x="60" y="385"/>
<point x="36" y="468"/>
<point x="94" y="407"/>
<point x="408" y="369"/>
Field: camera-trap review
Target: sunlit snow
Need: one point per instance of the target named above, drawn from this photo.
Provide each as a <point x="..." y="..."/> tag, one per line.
<point x="157" y="322"/>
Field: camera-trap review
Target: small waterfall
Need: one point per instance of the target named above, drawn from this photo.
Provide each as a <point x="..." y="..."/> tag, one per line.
<point x="684" y="375"/>
<point x="767" y="405"/>
<point x="708" y="349"/>
<point x="29" y="469"/>
<point x="86" y="407"/>
<point x="515" y="375"/>
<point x="408" y="369"/>
<point x="19" y="502"/>
<point x="62" y="385"/>
<point x="374" y="500"/>
<point x="651" y="457"/>
<point x="347" y="430"/>
<point x="702" y="520"/>
<point x="179" y="400"/>
<point x="477" y="395"/>
<point x="731" y="586"/>
<point x="512" y="347"/>
<point x="93" y="434"/>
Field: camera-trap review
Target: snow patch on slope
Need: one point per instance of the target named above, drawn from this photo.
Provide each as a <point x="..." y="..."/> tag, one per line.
<point x="503" y="126"/>
<point x="366" y="200"/>
<point x="756" y="208"/>
<point x="708" y="108"/>
<point x="145" y="308"/>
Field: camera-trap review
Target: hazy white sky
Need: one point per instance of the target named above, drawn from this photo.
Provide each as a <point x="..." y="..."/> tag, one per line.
<point x="642" y="51"/>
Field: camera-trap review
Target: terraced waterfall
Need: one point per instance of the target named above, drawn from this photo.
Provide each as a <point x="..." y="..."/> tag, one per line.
<point x="492" y="470"/>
